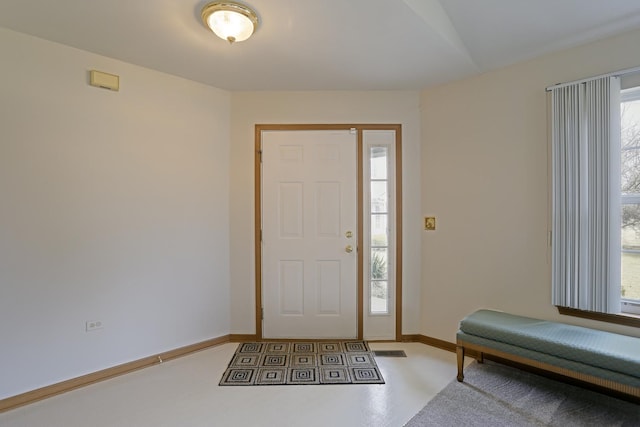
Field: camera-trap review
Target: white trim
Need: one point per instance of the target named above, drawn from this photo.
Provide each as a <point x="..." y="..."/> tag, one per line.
<point x="630" y="94"/>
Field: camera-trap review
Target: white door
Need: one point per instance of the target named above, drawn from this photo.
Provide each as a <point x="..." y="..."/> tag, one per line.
<point x="309" y="220"/>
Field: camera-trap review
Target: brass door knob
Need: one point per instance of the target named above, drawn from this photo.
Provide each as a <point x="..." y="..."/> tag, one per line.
<point x="348" y="249"/>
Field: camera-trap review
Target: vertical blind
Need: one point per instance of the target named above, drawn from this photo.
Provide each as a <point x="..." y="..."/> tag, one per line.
<point x="586" y="195"/>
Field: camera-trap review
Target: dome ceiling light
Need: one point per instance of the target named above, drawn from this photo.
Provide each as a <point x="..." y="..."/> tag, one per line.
<point x="229" y="20"/>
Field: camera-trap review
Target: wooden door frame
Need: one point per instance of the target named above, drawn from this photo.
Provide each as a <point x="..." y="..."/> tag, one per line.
<point x="359" y="212"/>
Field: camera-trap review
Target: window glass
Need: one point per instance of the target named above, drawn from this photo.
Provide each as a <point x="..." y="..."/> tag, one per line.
<point x="379" y="218"/>
<point x="379" y="235"/>
<point x="379" y="196"/>
<point x="630" y="181"/>
<point x="379" y="269"/>
<point x="379" y="162"/>
<point x="379" y="297"/>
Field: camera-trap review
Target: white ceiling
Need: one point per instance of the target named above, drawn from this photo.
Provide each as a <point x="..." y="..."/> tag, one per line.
<point x="326" y="44"/>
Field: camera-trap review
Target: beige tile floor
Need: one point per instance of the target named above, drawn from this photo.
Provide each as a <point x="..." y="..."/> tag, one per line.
<point x="184" y="393"/>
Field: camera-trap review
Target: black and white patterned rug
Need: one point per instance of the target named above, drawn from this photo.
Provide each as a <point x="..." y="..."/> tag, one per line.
<point x="298" y="363"/>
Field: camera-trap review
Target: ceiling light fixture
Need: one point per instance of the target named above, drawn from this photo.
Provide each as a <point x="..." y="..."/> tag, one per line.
<point x="229" y="20"/>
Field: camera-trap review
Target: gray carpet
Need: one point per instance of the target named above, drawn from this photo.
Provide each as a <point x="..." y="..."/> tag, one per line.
<point x="498" y="395"/>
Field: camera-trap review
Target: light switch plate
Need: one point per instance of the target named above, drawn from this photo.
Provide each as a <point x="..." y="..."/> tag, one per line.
<point x="429" y="222"/>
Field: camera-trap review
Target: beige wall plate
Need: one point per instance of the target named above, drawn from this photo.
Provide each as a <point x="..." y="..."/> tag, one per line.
<point x="104" y="80"/>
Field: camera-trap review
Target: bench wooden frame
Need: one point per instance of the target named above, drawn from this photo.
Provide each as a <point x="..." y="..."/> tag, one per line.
<point x="462" y="346"/>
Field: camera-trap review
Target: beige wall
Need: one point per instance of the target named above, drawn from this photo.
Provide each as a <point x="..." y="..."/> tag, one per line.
<point x="113" y="207"/>
<point x="250" y="108"/>
<point x="484" y="168"/>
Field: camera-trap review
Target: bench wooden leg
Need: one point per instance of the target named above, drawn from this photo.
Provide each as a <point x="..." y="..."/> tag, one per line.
<point x="460" y="354"/>
<point x="480" y="358"/>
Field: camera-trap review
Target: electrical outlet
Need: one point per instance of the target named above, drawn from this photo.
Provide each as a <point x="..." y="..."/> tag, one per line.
<point x="93" y="325"/>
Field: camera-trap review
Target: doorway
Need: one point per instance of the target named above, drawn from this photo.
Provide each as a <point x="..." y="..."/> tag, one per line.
<point x="313" y="253"/>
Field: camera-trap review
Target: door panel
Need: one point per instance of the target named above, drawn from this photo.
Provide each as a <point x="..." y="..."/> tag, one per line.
<point x="309" y="203"/>
<point x="329" y="287"/>
<point x="290" y="216"/>
<point x="291" y="288"/>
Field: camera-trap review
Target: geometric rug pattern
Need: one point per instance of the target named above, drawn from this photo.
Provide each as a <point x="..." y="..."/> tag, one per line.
<point x="298" y="363"/>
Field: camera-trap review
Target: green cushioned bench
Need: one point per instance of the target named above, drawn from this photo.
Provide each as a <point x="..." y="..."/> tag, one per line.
<point x="603" y="358"/>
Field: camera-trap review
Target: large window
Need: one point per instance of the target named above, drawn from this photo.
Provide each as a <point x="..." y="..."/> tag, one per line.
<point x="596" y="197"/>
<point x="630" y="198"/>
<point x="586" y="165"/>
